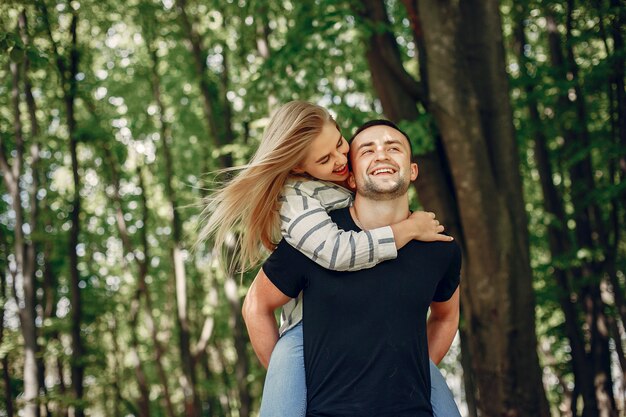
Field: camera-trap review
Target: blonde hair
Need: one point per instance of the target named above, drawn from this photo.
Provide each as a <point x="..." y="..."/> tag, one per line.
<point x="248" y="205"/>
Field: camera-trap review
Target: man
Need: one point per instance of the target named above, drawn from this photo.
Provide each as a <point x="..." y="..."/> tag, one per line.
<point x="366" y="342"/>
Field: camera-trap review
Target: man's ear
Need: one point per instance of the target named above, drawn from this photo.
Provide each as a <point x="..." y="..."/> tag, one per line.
<point x="351" y="182"/>
<point x="414" y="171"/>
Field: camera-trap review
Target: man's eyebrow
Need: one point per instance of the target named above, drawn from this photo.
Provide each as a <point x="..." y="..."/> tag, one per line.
<point x="327" y="155"/>
<point x="387" y="142"/>
<point x="364" y="145"/>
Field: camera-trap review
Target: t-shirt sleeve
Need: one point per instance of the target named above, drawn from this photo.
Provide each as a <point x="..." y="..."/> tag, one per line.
<point x="450" y="281"/>
<point x="286" y="269"/>
<point x="306" y="225"/>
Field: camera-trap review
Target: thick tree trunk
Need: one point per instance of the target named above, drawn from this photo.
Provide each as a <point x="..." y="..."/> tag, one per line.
<point x="469" y="99"/>
<point x="400" y="95"/>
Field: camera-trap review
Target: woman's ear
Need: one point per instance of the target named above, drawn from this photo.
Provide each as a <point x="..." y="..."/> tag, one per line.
<point x="297" y="170"/>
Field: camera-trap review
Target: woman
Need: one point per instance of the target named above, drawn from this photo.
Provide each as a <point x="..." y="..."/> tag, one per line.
<point x="296" y="176"/>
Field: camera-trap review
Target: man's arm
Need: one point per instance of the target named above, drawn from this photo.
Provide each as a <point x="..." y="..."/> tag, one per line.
<point x="262" y="299"/>
<point x="442" y="325"/>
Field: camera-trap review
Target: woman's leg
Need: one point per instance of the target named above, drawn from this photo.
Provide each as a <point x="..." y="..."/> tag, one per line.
<point x="441" y="397"/>
<point x="284" y="392"/>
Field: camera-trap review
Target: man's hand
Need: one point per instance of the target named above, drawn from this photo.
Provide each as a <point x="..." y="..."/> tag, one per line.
<point x="258" y="313"/>
<point x="426" y="227"/>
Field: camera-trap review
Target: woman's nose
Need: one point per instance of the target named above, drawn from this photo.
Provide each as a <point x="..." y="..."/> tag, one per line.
<point x="341" y="158"/>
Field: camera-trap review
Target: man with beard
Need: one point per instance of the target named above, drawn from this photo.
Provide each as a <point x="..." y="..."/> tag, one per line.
<point x="366" y="338"/>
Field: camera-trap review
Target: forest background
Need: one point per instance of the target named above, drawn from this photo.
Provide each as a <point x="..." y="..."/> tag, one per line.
<point x="113" y="112"/>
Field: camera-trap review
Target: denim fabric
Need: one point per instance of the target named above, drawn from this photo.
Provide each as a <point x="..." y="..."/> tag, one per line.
<point x="284" y="392"/>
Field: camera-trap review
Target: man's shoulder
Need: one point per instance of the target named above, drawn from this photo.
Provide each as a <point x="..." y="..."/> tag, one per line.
<point x="444" y="251"/>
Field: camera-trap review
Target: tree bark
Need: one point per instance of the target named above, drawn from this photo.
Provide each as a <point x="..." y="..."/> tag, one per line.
<point x="469" y="99"/>
<point x="400" y="103"/>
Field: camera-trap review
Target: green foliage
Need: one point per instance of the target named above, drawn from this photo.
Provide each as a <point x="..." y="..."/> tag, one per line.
<point x="257" y="55"/>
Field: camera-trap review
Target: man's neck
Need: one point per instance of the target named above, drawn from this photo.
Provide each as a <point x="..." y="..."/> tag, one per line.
<point x="371" y="214"/>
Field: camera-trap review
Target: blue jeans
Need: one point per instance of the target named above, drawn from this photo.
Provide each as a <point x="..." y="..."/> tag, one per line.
<point x="284" y="392"/>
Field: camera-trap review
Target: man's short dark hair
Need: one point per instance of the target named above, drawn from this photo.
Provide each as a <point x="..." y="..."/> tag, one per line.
<point x="382" y="122"/>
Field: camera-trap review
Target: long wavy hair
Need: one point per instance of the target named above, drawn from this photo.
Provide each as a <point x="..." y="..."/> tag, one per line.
<point x="246" y="208"/>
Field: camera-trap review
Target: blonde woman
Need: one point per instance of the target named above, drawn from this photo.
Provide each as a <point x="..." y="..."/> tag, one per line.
<point x="296" y="176"/>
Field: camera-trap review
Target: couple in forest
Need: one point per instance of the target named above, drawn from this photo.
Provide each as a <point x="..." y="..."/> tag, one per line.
<point x="355" y="272"/>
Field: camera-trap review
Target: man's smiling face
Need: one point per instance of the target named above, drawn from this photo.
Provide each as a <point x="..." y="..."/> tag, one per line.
<point x="381" y="163"/>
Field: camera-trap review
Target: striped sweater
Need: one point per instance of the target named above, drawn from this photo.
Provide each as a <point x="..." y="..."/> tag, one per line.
<point x="306" y="225"/>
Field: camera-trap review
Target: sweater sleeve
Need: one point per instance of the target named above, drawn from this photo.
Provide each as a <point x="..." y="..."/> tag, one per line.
<point x="306" y="225"/>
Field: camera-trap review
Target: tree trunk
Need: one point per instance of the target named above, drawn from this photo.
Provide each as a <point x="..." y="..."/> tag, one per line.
<point x="144" y="390"/>
<point x="188" y="381"/>
<point x="221" y="132"/>
<point x="144" y="289"/>
<point x="469" y="99"/>
<point x="6" y="376"/>
<point x="24" y="251"/>
<point x="586" y="215"/>
<point x="70" y="93"/>
<point x="558" y="238"/>
<point x="242" y="366"/>
<point x="400" y="95"/>
<point x="34" y="202"/>
<point x="617" y="76"/>
<point x="67" y="77"/>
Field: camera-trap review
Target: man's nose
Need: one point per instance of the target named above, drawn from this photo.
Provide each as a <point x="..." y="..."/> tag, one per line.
<point x="381" y="153"/>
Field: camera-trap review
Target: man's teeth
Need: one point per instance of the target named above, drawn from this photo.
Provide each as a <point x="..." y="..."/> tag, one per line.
<point x="383" y="170"/>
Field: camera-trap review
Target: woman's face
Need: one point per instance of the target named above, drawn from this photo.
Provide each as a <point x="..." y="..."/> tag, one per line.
<point x="327" y="158"/>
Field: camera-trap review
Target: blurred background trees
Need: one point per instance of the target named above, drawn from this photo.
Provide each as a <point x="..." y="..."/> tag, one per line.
<point x="113" y="113"/>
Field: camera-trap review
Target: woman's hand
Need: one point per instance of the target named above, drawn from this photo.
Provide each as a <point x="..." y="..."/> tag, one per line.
<point x="425" y="227"/>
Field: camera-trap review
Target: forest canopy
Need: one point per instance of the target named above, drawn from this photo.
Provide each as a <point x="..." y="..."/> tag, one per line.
<point x="115" y="116"/>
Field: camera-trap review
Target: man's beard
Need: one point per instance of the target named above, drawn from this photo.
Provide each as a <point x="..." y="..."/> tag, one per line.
<point x="379" y="192"/>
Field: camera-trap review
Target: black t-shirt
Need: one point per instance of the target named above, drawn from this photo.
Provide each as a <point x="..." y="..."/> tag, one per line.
<point x="365" y="345"/>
